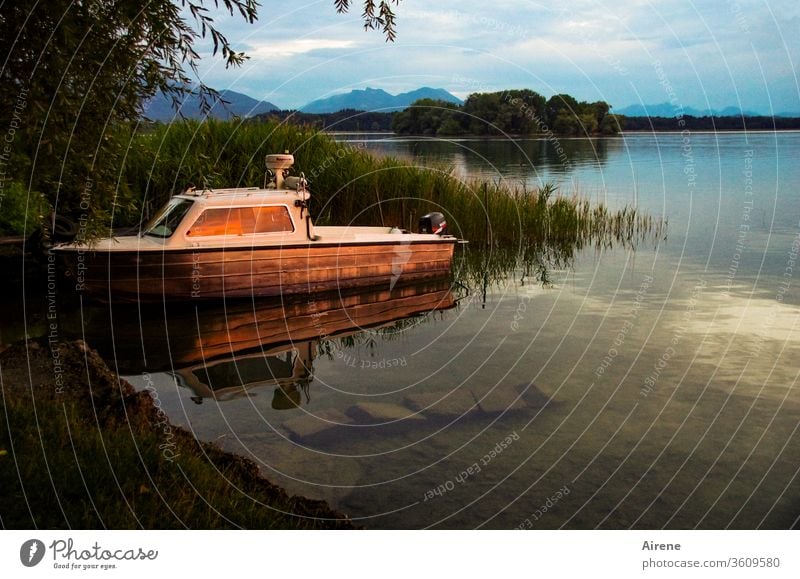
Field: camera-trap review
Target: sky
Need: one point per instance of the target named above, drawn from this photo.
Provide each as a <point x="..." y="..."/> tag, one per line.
<point x="707" y="54"/>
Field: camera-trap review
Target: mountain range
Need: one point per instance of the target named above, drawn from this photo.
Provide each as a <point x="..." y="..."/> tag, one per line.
<point x="378" y="100"/>
<point x="370" y="99"/>
<point x="670" y="110"/>
<point x="160" y="107"/>
<point x="375" y="99"/>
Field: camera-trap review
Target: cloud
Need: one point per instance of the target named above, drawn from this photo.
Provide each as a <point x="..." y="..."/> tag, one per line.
<point x="295" y="47"/>
<point x="720" y="50"/>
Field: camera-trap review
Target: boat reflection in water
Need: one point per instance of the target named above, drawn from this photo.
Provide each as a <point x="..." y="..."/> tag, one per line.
<point x="288" y="367"/>
<point x="222" y="352"/>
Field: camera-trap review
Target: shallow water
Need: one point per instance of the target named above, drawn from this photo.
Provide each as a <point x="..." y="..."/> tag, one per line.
<point x="655" y="388"/>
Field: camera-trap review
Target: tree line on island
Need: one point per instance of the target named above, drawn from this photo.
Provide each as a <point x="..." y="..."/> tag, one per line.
<point x="514" y="112"/>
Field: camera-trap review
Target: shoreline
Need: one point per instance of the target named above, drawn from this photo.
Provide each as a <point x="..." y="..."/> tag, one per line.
<point x="81" y="448"/>
<point x="380" y="135"/>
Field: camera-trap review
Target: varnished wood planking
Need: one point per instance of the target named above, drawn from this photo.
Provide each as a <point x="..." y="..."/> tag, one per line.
<point x="261" y="272"/>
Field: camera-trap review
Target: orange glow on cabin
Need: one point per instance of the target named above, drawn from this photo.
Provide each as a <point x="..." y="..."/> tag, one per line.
<point x="242" y="221"/>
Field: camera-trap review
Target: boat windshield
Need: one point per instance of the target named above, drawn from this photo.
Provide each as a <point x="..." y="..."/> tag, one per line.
<point x="166" y="221"/>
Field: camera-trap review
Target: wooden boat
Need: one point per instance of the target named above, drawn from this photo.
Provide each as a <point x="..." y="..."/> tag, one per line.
<point x="252" y="242"/>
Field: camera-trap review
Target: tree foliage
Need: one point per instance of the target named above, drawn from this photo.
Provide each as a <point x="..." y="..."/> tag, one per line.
<point x="425" y="117"/>
<point x="516" y="112"/>
<point x="79" y="68"/>
<point x="71" y="71"/>
<point x="377" y="16"/>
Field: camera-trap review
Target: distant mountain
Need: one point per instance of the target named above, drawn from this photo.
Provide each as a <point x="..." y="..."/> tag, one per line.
<point x="670" y="110"/>
<point x="429" y="93"/>
<point x="160" y="107"/>
<point x="375" y="99"/>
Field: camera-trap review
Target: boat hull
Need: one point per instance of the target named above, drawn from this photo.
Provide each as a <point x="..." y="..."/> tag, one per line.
<point x="246" y="272"/>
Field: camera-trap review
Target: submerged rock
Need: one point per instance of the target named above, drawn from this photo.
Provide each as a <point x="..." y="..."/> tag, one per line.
<point x="379" y="413"/>
<point x="443" y="404"/>
<point x="311" y="424"/>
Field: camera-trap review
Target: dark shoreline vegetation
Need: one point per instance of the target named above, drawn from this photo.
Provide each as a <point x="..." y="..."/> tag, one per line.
<point x="711" y="123"/>
<point x="109" y="457"/>
<point x="355" y="121"/>
<point x="107" y="446"/>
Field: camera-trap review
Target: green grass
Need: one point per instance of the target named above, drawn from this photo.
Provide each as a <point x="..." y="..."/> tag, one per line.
<point x="104" y="458"/>
<point x="349" y="186"/>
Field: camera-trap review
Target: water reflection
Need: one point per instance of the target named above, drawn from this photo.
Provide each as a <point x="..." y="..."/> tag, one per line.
<point x="215" y="347"/>
<point x="224" y="350"/>
<point x="287" y="368"/>
<point x="529" y="160"/>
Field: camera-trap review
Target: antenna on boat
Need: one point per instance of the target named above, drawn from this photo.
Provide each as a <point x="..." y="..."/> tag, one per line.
<point x="278" y="166"/>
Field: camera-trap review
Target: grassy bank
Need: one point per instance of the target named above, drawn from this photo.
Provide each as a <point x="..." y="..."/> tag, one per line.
<point x="79" y="448"/>
<point x="351" y="186"/>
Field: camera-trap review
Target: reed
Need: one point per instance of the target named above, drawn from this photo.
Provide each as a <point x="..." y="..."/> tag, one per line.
<point x="350" y="186"/>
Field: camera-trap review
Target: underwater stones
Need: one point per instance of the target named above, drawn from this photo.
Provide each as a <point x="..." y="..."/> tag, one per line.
<point x="312" y="424"/>
<point x="501" y="400"/>
<point x="533" y="396"/>
<point x="443" y="404"/>
<point x="466" y="401"/>
<point x="381" y="412"/>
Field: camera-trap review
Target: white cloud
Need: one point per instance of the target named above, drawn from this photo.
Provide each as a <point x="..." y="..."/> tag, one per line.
<point x="296" y="46"/>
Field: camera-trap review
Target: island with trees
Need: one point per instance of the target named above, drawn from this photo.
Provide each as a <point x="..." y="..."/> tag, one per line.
<point x="517" y="113"/>
<point x="511" y="112"/>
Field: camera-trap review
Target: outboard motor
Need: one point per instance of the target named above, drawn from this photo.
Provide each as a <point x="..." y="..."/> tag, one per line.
<point x="433" y="223"/>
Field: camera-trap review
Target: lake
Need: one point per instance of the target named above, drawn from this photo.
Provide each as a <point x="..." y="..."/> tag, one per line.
<point x="646" y="388"/>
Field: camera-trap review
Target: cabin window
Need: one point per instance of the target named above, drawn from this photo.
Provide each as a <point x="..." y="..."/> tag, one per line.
<point x="242" y="221"/>
<point x="272" y="219"/>
<point x="167" y="220"/>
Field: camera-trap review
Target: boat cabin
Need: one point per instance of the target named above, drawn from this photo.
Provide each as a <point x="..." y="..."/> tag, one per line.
<point x="202" y="217"/>
<point x="275" y="214"/>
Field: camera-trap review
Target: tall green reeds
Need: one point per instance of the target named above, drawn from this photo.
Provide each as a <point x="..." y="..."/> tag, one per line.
<point x="349" y="186"/>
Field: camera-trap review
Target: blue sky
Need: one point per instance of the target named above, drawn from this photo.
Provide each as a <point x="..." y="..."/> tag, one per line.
<point x="714" y="53"/>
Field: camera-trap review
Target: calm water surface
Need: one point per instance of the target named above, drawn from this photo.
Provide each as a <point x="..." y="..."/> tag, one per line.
<point x="655" y="388"/>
